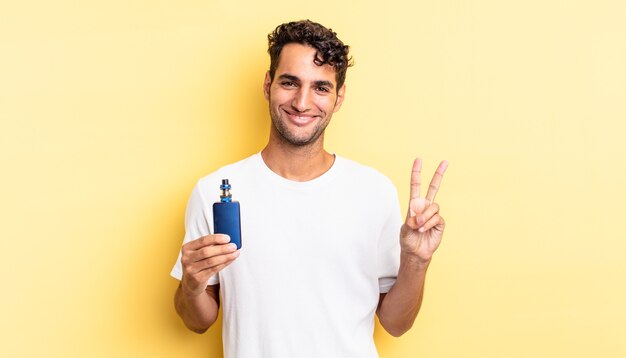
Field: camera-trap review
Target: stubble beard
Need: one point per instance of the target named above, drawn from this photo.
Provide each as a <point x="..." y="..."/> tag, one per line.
<point x="290" y="137"/>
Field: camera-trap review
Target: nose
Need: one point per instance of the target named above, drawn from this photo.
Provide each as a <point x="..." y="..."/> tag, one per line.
<point x="302" y="100"/>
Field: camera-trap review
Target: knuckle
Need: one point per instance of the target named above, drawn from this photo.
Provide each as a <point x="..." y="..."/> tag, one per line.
<point x="211" y="262"/>
<point x="186" y="258"/>
<point x="206" y="251"/>
<point x="207" y="240"/>
<point x="187" y="269"/>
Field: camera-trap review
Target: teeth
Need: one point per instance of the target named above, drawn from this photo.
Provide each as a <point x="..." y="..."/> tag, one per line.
<point x="302" y="118"/>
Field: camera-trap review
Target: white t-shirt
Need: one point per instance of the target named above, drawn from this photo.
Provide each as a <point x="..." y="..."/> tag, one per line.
<point x="315" y="256"/>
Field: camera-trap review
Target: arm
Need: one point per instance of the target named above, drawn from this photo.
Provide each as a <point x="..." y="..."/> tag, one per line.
<point x="198" y="312"/>
<point x="420" y="236"/>
<point x="398" y="308"/>
<point x="196" y="303"/>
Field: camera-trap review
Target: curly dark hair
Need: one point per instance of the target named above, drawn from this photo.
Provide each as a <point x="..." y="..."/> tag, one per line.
<point x="330" y="50"/>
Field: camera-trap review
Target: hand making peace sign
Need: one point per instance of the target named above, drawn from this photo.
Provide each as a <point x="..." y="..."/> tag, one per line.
<point x="422" y="231"/>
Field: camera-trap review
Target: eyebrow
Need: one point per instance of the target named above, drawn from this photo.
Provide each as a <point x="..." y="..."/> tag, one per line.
<point x="321" y="83"/>
<point x="289" y="77"/>
<point x="324" y="84"/>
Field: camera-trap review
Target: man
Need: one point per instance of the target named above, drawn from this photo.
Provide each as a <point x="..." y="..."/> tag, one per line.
<point x="324" y="246"/>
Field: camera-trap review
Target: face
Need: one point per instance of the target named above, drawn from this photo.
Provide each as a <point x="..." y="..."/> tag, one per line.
<point x="302" y="97"/>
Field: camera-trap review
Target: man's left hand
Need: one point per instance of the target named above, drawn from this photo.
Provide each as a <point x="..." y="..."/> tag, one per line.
<point x="423" y="228"/>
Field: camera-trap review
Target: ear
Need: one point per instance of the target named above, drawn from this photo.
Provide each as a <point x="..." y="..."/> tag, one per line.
<point x="266" y="85"/>
<point x="340" y="96"/>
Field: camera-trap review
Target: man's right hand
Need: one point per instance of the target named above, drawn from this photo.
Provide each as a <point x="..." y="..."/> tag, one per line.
<point x="203" y="258"/>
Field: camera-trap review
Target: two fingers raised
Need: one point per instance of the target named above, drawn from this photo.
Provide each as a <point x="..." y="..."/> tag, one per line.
<point x="424" y="212"/>
<point x="435" y="182"/>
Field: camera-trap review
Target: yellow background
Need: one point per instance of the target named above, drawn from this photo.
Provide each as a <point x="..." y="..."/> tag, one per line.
<point x="111" y="110"/>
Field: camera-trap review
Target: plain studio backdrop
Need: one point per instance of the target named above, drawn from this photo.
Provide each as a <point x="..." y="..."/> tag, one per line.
<point x="111" y="110"/>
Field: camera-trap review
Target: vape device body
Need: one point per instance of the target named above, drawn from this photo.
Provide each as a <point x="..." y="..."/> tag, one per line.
<point x="226" y="215"/>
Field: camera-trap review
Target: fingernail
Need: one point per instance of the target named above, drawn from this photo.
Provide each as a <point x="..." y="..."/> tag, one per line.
<point x="422" y="229"/>
<point x="232" y="247"/>
<point x="225" y="238"/>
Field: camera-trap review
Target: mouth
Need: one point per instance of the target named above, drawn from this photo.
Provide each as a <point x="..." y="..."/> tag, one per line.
<point x="300" y="119"/>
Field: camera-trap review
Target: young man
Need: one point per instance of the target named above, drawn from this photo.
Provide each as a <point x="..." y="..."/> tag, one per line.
<point x="324" y="245"/>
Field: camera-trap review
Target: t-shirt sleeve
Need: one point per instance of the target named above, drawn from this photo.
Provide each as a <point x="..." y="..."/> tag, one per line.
<point x="389" y="245"/>
<point x="197" y="225"/>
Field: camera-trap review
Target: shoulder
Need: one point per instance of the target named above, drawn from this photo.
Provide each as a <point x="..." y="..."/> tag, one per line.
<point x="367" y="187"/>
<point x="361" y="174"/>
<point x="366" y="182"/>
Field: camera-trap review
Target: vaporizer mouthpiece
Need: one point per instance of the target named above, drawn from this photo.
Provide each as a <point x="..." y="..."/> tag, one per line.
<point x="225" y="196"/>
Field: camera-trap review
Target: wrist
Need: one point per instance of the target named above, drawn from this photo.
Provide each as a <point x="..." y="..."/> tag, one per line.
<point x="414" y="262"/>
<point x="188" y="292"/>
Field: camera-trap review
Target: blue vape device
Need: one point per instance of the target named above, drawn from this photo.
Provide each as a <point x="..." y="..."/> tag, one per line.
<point x="226" y="215"/>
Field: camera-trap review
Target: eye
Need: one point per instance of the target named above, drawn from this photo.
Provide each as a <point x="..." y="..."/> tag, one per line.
<point x="288" y="84"/>
<point x="323" y="89"/>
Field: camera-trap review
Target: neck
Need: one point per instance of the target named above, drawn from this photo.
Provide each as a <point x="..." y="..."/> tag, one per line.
<point x="297" y="163"/>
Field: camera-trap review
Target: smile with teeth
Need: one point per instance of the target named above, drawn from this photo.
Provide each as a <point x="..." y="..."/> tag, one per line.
<point x="300" y="119"/>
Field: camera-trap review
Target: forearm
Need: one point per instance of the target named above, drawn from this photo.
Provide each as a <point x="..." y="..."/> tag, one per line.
<point x="197" y="312"/>
<point x="400" y="306"/>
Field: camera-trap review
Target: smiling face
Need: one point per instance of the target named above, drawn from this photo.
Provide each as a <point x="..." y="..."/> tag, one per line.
<point x="302" y="97"/>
